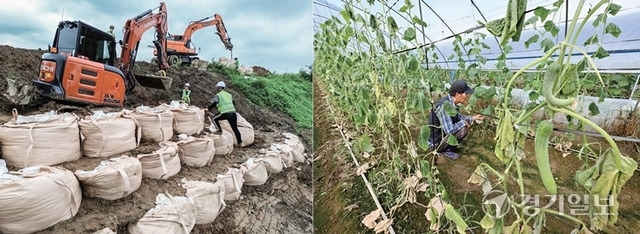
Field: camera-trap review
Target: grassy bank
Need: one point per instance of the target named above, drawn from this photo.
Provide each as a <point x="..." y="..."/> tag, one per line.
<point x="289" y="92"/>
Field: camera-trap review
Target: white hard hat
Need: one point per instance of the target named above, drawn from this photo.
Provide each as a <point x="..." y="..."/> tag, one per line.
<point x="187" y="84"/>
<point x="220" y="84"/>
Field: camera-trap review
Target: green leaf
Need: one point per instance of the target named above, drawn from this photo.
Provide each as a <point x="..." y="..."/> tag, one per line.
<point x="591" y="40"/>
<point x="540" y="12"/>
<point x="474" y="51"/>
<point x="487" y="222"/>
<point x="531" y="20"/>
<point x="409" y="34"/>
<point x="365" y="143"/>
<point x="425" y="168"/>
<point x="558" y="3"/>
<point x="547" y="44"/>
<point x="598" y="19"/>
<point x="507" y="49"/>
<point x="593" y="109"/>
<point x="404" y="8"/>
<point x="481" y="59"/>
<point x="454" y="216"/>
<point x="551" y="27"/>
<point x="613" y="29"/>
<point x="373" y="22"/>
<point x="345" y="15"/>
<point x="423" y="138"/>
<point x="393" y="26"/>
<point x="531" y="40"/>
<point x="452" y="141"/>
<point x="614" y="8"/>
<point x="533" y="96"/>
<point x="417" y="20"/>
<point x="488" y="110"/>
<point x="601" y="53"/>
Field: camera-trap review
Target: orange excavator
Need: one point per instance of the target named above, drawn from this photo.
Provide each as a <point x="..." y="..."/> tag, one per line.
<point x="81" y="65"/>
<point x="180" y="49"/>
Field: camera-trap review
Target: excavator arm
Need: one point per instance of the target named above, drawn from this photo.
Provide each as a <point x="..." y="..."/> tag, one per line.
<point x="216" y="21"/>
<point x="133" y="30"/>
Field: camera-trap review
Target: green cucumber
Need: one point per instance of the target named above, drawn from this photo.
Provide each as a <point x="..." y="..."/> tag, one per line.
<point x="553" y="72"/>
<point x="542" y="156"/>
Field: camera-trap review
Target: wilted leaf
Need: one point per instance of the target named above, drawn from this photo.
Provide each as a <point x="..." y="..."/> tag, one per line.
<point x="423" y="137"/>
<point x="487" y="222"/>
<point x="413" y="150"/>
<point x="478" y="176"/>
<point x="454" y="216"/>
<point x="383" y="225"/>
<point x="410" y="182"/>
<point x="365" y="155"/>
<point x="362" y="169"/>
<point x="437" y="204"/>
<point x="422" y="187"/>
<point x="370" y="219"/>
<point x="351" y="207"/>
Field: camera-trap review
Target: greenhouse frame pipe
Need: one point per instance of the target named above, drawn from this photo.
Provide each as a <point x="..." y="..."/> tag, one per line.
<point x="447" y="25"/>
<point x="486" y="21"/>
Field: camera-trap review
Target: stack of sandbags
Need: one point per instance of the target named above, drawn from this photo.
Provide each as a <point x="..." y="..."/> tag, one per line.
<point x="222" y="143"/>
<point x="245" y="128"/>
<point x="292" y="140"/>
<point x="40" y="140"/>
<point x="232" y="184"/>
<point x="107" y="134"/>
<point x="284" y="151"/>
<point x="272" y="162"/>
<point x="170" y="215"/>
<point x="112" y="179"/>
<point x="186" y="119"/>
<point x="156" y="122"/>
<point x="254" y="172"/>
<point x="35" y="198"/>
<point x="208" y="198"/>
<point x="162" y="163"/>
<point x="194" y="151"/>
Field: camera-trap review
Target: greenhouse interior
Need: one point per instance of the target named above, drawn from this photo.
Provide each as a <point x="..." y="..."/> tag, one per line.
<point x="556" y="83"/>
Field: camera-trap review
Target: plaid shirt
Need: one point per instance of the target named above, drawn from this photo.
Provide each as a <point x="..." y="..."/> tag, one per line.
<point x="445" y="120"/>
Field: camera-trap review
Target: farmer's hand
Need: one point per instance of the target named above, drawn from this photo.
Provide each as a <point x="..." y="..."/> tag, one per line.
<point x="477" y="117"/>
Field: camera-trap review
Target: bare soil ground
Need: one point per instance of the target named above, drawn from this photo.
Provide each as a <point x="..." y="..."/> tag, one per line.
<point x="282" y="205"/>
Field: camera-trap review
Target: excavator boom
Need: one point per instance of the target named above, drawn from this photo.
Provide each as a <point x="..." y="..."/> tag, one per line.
<point x="133" y="30"/>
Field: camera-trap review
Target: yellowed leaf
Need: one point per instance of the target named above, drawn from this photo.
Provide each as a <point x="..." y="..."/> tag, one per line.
<point x="412" y="196"/>
<point x="477" y="177"/>
<point x="437" y="204"/>
<point x="383" y="225"/>
<point x="366" y="155"/>
<point x="422" y="187"/>
<point x="351" y="207"/>
<point x="362" y="169"/>
<point x="410" y="182"/>
<point x="370" y="219"/>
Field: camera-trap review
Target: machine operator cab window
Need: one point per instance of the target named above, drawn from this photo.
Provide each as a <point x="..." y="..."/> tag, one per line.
<point x="80" y="40"/>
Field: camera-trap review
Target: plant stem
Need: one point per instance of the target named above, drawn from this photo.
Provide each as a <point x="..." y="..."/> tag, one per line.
<point x="614" y="146"/>
<point x="507" y="89"/>
<point x="558" y="213"/>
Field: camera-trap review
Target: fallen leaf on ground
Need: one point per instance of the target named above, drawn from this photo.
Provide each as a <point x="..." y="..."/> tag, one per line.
<point x="383" y="225"/>
<point x="370" y="219"/>
<point x="362" y="169"/>
<point x="351" y="207"/>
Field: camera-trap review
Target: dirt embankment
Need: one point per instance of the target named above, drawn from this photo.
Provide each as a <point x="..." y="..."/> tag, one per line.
<point x="282" y="205"/>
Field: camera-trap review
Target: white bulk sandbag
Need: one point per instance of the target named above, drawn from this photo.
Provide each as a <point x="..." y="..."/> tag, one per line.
<point x="156" y="123"/>
<point x="35" y="198"/>
<point x="245" y="128"/>
<point x="40" y="140"/>
<point x="162" y="163"/>
<point x="112" y="179"/>
<point x="272" y="162"/>
<point x="186" y="119"/>
<point x="170" y="215"/>
<point x="254" y="172"/>
<point x="197" y="152"/>
<point x="208" y="198"/>
<point x="105" y="231"/>
<point x="284" y="151"/>
<point x="222" y="143"/>
<point x="232" y="184"/>
<point x="107" y="134"/>
<point x="295" y="143"/>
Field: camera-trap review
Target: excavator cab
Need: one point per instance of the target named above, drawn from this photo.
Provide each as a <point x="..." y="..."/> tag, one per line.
<point x="80" y="67"/>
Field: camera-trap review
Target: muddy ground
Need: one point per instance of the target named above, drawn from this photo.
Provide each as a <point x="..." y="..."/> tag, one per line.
<point x="282" y="205"/>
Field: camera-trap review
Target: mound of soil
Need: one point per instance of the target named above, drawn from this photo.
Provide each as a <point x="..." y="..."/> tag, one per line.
<point x="260" y="71"/>
<point x="282" y="205"/>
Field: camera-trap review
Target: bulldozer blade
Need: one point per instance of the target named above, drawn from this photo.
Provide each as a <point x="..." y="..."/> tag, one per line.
<point x="154" y="81"/>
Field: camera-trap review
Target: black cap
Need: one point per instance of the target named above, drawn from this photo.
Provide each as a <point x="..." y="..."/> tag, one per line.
<point x="460" y="86"/>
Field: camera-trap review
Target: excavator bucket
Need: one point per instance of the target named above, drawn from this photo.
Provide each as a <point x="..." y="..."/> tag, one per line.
<point x="154" y="81"/>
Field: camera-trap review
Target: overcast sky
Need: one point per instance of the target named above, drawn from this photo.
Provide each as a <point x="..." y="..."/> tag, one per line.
<point x="275" y="34"/>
